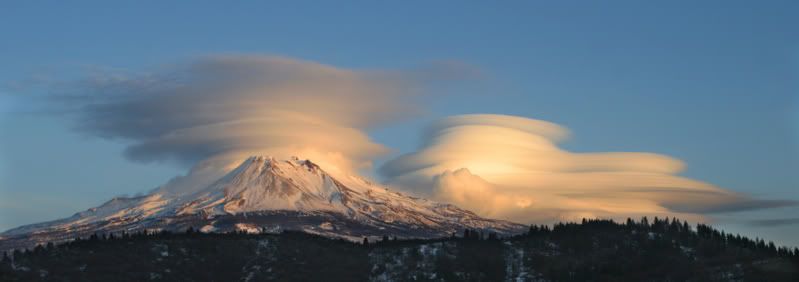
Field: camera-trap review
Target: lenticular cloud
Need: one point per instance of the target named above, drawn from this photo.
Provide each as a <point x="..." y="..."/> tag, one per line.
<point x="227" y="107"/>
<point x="511" y="167"/>
<point x="213" y="112"/>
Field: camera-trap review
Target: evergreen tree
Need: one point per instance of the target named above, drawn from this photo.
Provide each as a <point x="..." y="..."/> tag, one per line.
<point x="365" y="241"/>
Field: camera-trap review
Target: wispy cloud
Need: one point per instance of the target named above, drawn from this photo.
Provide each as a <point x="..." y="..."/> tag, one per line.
<point x="774" y="222"/>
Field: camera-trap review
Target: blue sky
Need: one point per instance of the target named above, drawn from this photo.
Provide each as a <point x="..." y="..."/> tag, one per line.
<point x="715" y="84"/>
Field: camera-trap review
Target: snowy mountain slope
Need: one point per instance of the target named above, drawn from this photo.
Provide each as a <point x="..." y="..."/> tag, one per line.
<point x="267" y="195"/>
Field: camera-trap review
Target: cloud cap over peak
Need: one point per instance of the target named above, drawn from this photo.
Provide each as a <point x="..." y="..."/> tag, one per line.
<point x="511" y="167"/>
<point x="247" y="104"/>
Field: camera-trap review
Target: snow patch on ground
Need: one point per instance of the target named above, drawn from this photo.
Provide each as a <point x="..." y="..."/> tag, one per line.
<point x="327" y="226"/>
<point x="393" y="264"/>
<point x="248" y="228"/>
<point x="208" y="229"/>
<point x="515" y="267"/>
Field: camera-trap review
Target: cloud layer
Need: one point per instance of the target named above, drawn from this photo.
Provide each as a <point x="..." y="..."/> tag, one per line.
<point x="239" y="105"/>
<point x="213" y="112"/>
<point x="511" y="167"/>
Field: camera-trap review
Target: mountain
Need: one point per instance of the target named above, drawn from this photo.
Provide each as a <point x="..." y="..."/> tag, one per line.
<point x="267" y="195"/>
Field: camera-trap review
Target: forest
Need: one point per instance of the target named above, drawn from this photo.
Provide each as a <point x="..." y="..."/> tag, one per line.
<point x="591" y="250"/>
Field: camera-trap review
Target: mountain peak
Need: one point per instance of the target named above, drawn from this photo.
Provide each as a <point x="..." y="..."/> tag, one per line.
<point x="265" y="193"/>
<point x="265" y="183"/>
<point x="269" y="161"/>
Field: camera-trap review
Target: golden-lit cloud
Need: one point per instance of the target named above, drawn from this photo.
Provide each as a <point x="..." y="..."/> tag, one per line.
<point x="229" y="107"/>
<point x="511" y="167"/>
<point x="213" y="112"/>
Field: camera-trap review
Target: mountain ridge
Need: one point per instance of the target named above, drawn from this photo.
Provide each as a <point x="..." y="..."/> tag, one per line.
<point x="264" y="194"/>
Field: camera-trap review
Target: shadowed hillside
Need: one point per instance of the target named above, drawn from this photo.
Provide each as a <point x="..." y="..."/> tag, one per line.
<point x="593" y="250"/>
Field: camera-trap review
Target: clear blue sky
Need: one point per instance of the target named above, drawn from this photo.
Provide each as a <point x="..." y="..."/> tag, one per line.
<point x="715" y="84"/>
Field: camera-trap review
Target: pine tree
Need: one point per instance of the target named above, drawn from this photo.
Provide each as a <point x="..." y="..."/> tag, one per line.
<point x="365" y="241"/>
<point x="6" y="259"/>
<point x="38" y="249"/>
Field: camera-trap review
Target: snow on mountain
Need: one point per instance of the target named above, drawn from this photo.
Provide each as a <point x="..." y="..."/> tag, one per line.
<point x="267" y="195"/>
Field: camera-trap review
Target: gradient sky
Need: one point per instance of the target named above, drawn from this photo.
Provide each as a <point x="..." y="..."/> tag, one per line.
<point x="715" y="84"/>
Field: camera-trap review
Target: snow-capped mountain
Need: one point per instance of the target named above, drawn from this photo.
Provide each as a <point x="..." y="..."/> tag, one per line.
<point x="267" y="195"/>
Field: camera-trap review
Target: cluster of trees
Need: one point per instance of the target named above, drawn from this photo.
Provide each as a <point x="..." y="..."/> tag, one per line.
<point x="708" y="239"/>
<point x="593" y="249"/>
<point x="728" y="239"/>
<point x="473" y="234"/>
<point x="661" y="247"/>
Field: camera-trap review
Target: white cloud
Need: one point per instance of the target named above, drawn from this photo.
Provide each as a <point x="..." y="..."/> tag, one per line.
<point x="235" y="106"/>
<point x="511" y="167"/>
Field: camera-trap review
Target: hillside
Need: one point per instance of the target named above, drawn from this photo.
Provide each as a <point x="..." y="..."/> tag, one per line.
<point x="594" y="250"/>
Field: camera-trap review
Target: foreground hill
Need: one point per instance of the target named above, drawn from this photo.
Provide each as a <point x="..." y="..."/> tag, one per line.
<point x="591" y="251"/>
<point x="263" y="194"/>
